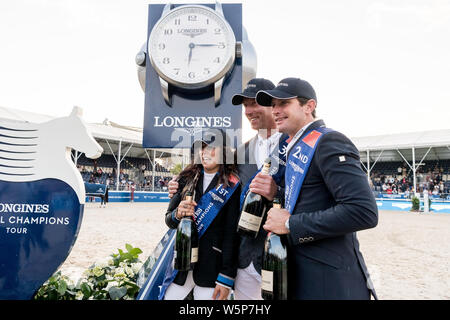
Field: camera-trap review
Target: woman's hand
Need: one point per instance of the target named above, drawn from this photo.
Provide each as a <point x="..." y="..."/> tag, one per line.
<point x="220" y="293"/>
<point x="186" y="208"/>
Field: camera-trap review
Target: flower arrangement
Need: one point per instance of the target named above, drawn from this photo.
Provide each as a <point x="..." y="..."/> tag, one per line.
<point x="111" y="279"/>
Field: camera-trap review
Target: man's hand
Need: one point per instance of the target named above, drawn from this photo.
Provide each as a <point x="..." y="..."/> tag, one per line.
<point x="276" y="220"/>
<point x="220" y="293"/>
<point x="264" y="185"/>
<point x="173" y="186"/>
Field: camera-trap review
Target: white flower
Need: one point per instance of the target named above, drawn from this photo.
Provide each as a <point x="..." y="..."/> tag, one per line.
<point x="119" y="270"/>
<point x="102" y="264"/>
<point x="120" y="273"/>
<point x="129" y="271"/>
<point x="79" y="295"/>
<point x="136" y="267"/>
<point x="112" y="284"/>
<point x="97" y="271"/>
<point x="110" y="262"/>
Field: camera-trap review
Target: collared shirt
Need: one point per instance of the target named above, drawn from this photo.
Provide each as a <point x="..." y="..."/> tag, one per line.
<point x="264" y="147"/>
<point x="297" y="136"/>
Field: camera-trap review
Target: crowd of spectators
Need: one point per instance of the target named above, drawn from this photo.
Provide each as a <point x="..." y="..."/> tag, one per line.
<point x="435" y="180"/>
<point x="108" y="176"/>
<point x="386" y="177"/>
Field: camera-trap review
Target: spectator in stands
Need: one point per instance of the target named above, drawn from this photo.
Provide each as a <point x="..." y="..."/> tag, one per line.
<point x="407" y="193"/>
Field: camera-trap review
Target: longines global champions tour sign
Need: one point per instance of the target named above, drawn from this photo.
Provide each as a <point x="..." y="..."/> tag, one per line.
<point x="42" y="199"/>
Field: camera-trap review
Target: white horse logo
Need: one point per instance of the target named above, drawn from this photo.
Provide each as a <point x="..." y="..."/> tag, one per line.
<point x="31" y="152"/>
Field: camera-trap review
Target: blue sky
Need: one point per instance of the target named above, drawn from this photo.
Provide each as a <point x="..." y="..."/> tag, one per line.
<point x="377" y="66"/>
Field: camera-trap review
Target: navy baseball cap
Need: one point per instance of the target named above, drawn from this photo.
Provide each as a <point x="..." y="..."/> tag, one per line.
<point x="287" y="88"/>
<point x="253" y="86"/>
<point x="213" y="137"/>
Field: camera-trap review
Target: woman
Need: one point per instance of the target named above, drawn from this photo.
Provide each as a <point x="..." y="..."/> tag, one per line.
<point x="213" y="275"/>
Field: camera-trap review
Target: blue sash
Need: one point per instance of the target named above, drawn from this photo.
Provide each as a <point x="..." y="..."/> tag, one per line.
<point x="298" y="162"/>
<point x="206" y="211"/>
<point x="278" y="161"/>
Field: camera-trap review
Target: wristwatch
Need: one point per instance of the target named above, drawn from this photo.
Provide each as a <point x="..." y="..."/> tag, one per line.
<point x="192" y="48"/>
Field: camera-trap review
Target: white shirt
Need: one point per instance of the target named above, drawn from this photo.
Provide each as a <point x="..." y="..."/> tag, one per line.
<point x="207" y="178"/>
<point x="264" y="147"/>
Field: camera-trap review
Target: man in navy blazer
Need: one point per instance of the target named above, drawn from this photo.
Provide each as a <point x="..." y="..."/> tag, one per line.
<point x="334" y="202"/>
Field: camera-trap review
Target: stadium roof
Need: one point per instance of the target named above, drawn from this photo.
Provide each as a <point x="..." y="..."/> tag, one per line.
<point x="106" y="130"/>
<point x="420" y="139"/>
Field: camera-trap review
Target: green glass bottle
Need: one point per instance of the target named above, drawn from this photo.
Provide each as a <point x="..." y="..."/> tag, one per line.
<point x="274" y="284"/>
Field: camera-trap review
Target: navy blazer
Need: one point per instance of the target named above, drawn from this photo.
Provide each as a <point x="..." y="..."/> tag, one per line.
<point x="334" y="203"/>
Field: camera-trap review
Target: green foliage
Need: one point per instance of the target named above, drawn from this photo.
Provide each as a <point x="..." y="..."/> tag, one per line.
<point x="415" y="204"/>
<point x="177" y="169"/>
<point x="112" y="279"/>
<point x="58" y="287"/>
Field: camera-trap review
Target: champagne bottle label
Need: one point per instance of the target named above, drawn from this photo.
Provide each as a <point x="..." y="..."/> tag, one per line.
<point x="250" y="221"/>
<point x="194" y="255"/>
<point x="267" y="280"/>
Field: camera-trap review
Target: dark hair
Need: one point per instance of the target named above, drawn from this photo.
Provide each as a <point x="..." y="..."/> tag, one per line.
<point x="303" y="101"/>
<point x="226" y="168"/>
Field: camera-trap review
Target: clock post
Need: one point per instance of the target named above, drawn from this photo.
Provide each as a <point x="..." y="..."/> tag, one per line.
<point x="193" y="63"/>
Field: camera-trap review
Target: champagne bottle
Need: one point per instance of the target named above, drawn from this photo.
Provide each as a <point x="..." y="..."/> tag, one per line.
<point x="274" y="267"/>
<point x="253" y="209"/>
<point x="186" y="242"/>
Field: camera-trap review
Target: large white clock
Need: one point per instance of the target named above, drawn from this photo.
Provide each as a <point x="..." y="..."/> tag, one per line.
<point x="192" y="46"/>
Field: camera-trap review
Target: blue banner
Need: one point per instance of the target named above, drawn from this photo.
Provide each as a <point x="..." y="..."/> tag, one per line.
<point x="406" y="205"/>
<point x="298" y="163"/>
<point x="95" y="188"/>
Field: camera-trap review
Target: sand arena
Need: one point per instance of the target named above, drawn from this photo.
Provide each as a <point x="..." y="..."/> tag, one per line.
<point x="407" y="254"/>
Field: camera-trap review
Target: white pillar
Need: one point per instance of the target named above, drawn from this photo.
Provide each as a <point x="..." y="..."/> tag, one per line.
<point x="118" y="166"/>
<point x="426" y="207"/>
<point x="414" y="170"/>
<point x="153" y="175"/>
<point x="368" y="165"/>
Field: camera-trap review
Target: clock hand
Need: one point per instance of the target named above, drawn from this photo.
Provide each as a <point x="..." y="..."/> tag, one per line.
<point x="207" y="45"/>
<point x="191" y="46"/>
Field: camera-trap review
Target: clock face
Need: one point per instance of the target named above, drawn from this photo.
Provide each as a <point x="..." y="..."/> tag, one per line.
<point x="192" y="46"/>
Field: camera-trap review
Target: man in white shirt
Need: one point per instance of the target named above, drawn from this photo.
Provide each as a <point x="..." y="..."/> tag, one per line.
<point x="250" y="158"/>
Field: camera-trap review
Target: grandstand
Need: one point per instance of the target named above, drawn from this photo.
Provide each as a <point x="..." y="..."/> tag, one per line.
<point x="407" y="162"/>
